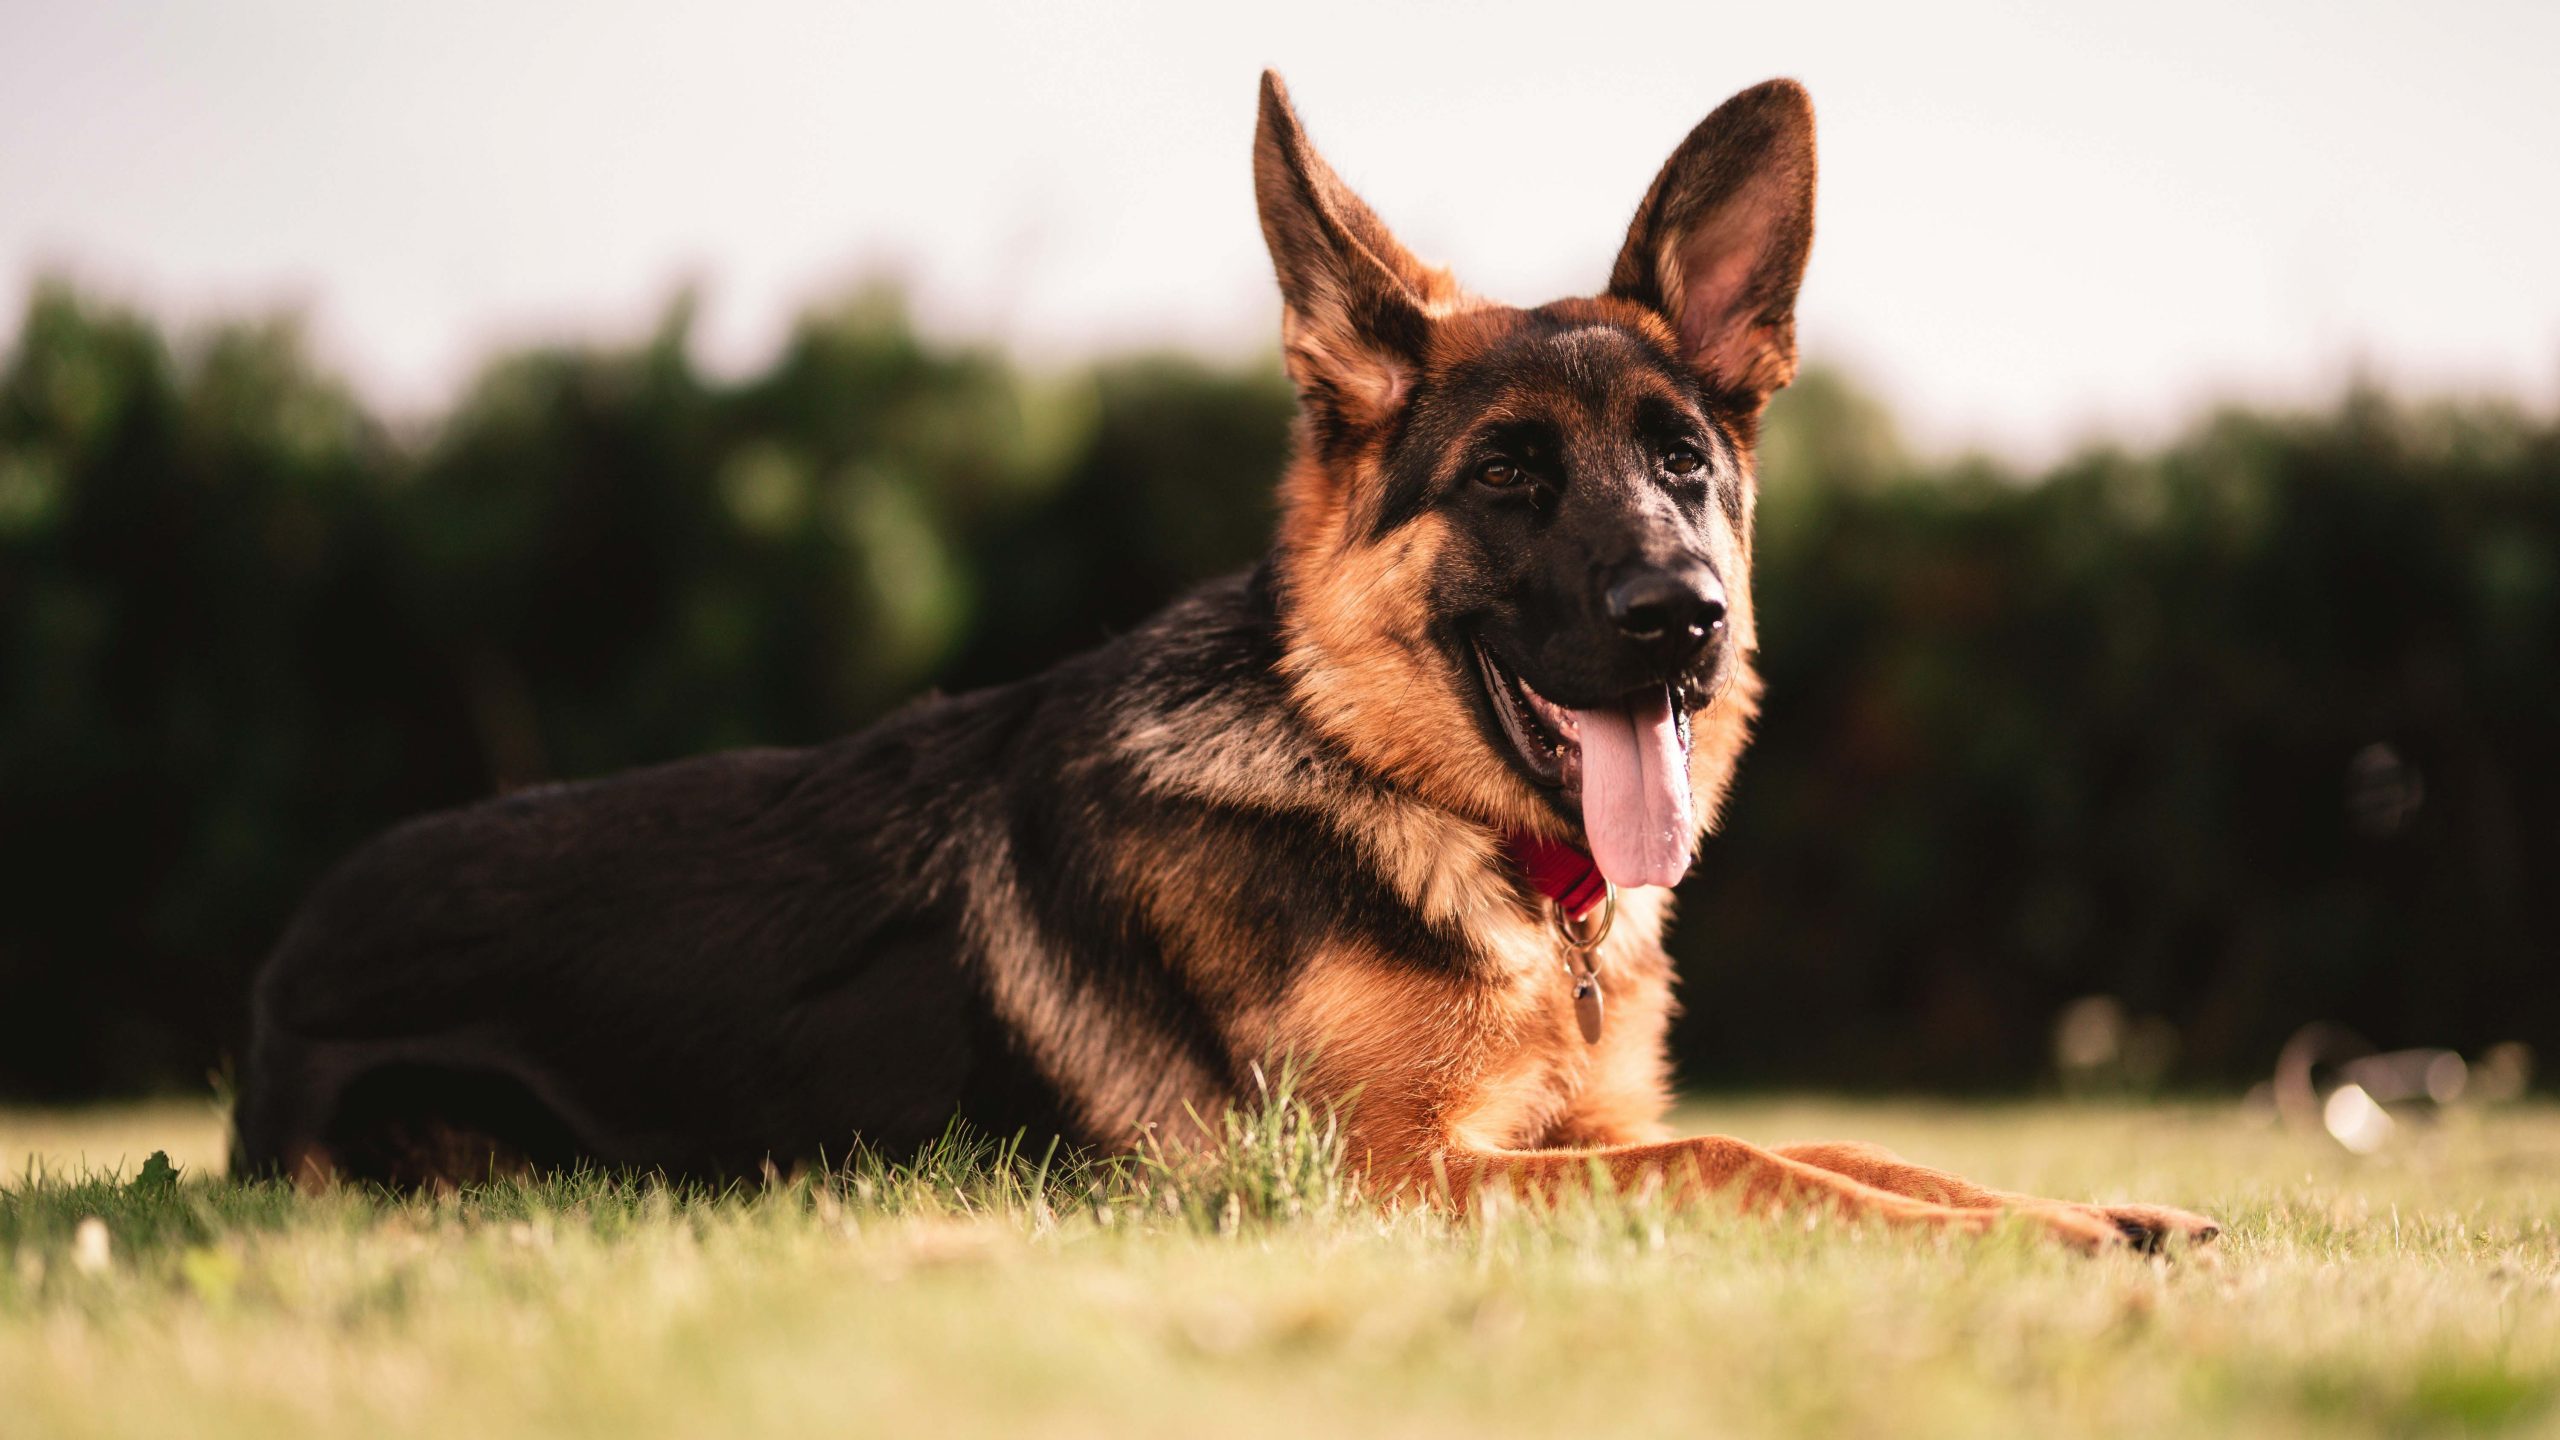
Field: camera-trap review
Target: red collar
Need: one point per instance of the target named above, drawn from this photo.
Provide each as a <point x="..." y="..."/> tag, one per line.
<point x="1561" y="871"/>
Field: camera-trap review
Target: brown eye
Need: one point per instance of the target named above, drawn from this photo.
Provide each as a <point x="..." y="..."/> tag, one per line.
<point x="1683" y="460"/>
<point x="1499" y="474"/>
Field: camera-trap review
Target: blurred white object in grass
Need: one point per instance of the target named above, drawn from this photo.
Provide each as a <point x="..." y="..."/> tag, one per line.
<point x="2356" y="1119"/>
<point x="2328" y="1078"/>
<point x="91" y="1249"/>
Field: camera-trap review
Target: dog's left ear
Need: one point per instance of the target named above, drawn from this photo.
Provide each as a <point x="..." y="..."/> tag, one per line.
<point x="1718" y="247"/>
<point x="1356" y="304"/>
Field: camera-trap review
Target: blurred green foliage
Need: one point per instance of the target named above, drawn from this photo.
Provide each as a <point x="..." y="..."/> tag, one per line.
<point x="2249" y="731"/>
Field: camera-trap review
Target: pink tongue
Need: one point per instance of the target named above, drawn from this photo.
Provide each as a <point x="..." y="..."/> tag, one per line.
<point x="1635" y="791"/>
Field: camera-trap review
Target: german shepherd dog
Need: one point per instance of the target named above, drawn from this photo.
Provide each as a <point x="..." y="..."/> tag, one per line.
<point x="1404" y="804"/>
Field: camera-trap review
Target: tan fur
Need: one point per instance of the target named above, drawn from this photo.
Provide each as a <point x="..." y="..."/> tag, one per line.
<point x="1490" y="1059"/>
<point x="1357" y="658"/>
<point x="1437" y="861"/>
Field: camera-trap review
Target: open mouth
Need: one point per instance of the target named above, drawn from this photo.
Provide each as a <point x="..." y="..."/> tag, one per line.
<point x="1548" y="736"/>
<point x="1626" y="761"/>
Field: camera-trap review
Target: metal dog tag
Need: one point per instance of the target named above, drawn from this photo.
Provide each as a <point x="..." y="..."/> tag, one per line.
<point x="1582" y="959"/>
<point x="1586" y="1005"/>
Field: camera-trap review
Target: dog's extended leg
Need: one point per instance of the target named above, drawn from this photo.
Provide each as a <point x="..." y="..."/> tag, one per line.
<point x="1381" y="1045"/>
<point x="2148" y="1226"/>
<point x="1757" y="1179"/>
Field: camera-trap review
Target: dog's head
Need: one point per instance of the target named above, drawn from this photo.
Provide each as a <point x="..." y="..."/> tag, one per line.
<point x="1514" y="559"/>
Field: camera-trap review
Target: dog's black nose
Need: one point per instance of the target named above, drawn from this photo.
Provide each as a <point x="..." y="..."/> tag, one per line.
<point x="1671" y="609"/>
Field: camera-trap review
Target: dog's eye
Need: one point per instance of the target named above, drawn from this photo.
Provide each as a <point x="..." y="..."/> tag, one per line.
<point x="1499" y="473"/>
<point x="1683" y="459"/>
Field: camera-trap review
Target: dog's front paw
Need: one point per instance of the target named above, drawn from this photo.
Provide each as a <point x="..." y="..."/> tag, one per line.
<point x="2153" y="1228"/>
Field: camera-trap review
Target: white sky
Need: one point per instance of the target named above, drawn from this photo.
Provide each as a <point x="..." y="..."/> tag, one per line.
<point x="2036" y="223"/>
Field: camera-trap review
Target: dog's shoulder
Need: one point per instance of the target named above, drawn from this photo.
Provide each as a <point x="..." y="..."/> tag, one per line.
<point x="1197" y="708"/>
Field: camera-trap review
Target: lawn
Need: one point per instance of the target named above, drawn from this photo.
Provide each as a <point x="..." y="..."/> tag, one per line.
<point x="2412" y="1292"/>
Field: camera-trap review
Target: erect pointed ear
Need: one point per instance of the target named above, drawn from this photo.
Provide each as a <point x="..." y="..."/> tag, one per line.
<point x="1356" y="305"/>
<point x="1719" y="244"/>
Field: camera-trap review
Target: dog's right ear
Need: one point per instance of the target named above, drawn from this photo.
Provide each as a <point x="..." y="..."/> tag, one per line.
<point x="1355" y="304"/>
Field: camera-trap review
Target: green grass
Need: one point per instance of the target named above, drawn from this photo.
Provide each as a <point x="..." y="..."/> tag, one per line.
<point x="2416" y="1292"/>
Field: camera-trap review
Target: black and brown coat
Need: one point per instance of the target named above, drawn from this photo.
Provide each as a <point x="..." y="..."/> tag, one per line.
<point x="1271" y="822"/>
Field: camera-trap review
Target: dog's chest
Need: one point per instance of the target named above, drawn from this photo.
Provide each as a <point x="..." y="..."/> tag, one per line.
<point x="1537" y="1056"/>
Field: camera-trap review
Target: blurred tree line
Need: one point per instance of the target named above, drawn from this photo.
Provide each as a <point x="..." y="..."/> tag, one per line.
<point x="2252" y="730"/>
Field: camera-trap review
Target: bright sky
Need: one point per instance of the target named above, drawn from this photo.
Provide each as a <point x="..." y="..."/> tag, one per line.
<point x="2037" y="222"/>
